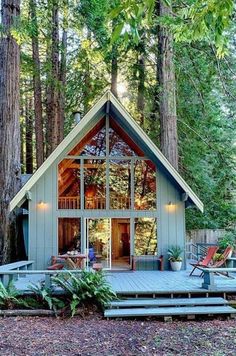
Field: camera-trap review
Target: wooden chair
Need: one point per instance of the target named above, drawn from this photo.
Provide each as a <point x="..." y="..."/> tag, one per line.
<point x="222" y="261"/>
<point x="207" y="261"/>
<point x="69" y="264"/>
<point x="55" y="264"/>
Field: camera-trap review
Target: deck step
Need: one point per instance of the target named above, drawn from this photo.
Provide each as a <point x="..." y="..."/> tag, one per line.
<point x="165" y="302"/>
<point x="169" y="311"/>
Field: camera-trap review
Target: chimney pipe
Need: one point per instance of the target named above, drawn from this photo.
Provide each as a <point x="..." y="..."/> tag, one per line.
<point x="77" y="117"/>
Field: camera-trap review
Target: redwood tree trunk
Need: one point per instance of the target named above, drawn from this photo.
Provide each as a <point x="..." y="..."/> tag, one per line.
<point x="9" y="125"/>
<point x="53" y="90"/>
<point x="38" y="111"/>
<point x="114" y="65"/>
<point x="167" y="89"/>
<point x="62" y="78"/>
<point x="114" y="71"/>
<point x="141" y="81"/>
<point x="28" y="136"/>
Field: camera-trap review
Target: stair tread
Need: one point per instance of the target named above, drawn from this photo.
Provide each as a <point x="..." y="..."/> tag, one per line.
<point x="168" y="311"/>
<point x="168" y="302"/>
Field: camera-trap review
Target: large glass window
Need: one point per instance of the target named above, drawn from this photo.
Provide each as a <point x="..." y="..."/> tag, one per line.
<point x="120" y="184"/>
<point x="144" y="185"/>
<point x="123" y="156"/>
<point x="69" y="184"/>
<point x="145" y="236"/>
<point x="69" y="235"/>
<point x="94" y="184"/>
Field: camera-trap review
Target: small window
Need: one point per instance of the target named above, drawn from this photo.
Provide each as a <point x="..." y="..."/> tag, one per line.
<point x="120" y="184"/>
<point x="94" y="184"/>
<point x="69" y="184"/>
<point x="145" y="235"/>
<point x="144" y="185"/>
<point x="69" y="235"/>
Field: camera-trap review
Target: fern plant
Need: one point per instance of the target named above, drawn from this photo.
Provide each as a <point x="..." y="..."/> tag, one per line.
<point x="9" y="296"/>
<point x="45" y="298"/>
<point x="90" y="287"/>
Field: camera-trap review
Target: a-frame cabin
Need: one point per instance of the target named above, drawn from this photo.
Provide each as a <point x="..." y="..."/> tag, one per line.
<point x="106" y="188"/>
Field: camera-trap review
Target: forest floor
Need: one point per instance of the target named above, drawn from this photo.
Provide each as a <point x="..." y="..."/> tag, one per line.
<point x="96" y="336"/>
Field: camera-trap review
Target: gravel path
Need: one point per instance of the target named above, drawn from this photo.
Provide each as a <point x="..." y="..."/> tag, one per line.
<point x="95" y="336"/>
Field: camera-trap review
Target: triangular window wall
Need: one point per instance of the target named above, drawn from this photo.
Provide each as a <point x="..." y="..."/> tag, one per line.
<point x="93" y="144"/>
<point x="120" y="143"/>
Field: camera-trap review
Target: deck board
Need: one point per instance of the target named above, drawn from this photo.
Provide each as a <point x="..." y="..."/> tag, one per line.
<point x="170" y="311"/>
<point x="160" y="302"/>
<point x="161" y="282"/>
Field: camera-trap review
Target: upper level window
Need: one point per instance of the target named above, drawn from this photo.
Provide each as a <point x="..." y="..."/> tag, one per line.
<point x="94" y="184"/>
<point x="120" y="184"/>
<point x="69" y="184"/>
<point x="144" y="185"/>
<point x="115" y="178"/>
<point x="93" y="144"/>
<point x="120" y="144"/>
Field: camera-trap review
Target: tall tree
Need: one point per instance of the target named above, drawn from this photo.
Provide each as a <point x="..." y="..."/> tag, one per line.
<point x="38" y="111"/>
<point x="62" y="69"/>
<point x="28" y="135"/>
<point x="9" y="124"/>
<point x="141" y="81"/>
<point x="53" y="90"/>
<point x="166" y="92"/>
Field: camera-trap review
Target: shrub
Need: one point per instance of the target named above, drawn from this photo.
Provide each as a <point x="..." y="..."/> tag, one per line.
<point x="90" y="287"/>
<point x="228" y="239"/>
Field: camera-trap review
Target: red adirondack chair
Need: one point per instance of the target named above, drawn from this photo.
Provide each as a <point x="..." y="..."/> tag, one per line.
<point x="207" y="261"/>
<point x="222" y="261"/>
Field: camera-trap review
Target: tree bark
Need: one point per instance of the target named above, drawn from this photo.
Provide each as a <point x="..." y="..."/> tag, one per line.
<point x="141" y="81"/>
<point x="166" y="93"/>
<point x="114" y="71"/>
<point x="28" y="136"/>
<point x="53" y="90"/>
<point x="9" y="125"/>
<point x="62" y="74"/>
<point x="38" y="111"/>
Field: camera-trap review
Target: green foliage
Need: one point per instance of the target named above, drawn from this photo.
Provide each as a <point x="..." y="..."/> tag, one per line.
<point x="90" y="287"/>
<point x="192" y="21"/>
<point x="45" y="298"/>
<point x="175" y="253"/>
<point x="229" y="239"/>
<point x="9" y="297"/>
<point x="205" y="21"/>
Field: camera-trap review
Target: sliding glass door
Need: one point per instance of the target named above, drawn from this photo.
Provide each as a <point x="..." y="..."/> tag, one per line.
<point x="99" y="241"/>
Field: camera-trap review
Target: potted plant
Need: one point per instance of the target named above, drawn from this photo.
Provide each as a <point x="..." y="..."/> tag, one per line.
<point x="228" y="239"/>
<point x="175" y="258"/>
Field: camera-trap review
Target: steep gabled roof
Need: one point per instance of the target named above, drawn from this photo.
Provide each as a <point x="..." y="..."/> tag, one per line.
<point x="116" y="110"/>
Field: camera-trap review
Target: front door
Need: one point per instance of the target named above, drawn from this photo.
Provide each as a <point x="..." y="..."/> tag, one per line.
<point x="99" y="242"/>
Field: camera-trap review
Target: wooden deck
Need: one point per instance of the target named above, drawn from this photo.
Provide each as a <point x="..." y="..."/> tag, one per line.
<point x="167" y="282"/>
<point x="150" y="282"/>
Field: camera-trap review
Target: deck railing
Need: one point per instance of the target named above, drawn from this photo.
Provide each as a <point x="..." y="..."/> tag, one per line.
<point x="97" y="202"/>
<point x="196" y="251"/>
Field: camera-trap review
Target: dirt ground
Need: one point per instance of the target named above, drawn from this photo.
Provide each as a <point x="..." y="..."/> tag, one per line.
<point x="96" y="336"/>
